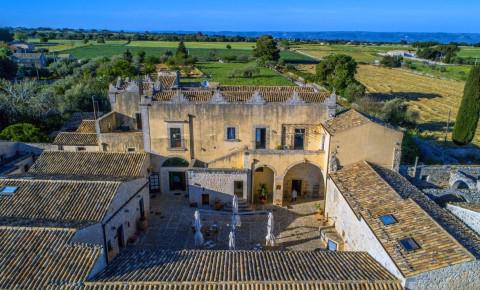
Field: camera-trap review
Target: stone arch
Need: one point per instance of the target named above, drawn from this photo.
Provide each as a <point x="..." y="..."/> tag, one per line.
<point x="460" y="184"/>
<point x="459" y="180"/>
<point x="175" y="161"/>
<point x="263" y="176"/>
<point x="306" y="178"/>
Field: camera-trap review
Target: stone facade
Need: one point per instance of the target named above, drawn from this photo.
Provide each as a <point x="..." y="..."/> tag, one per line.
<point x="210" y="185"/>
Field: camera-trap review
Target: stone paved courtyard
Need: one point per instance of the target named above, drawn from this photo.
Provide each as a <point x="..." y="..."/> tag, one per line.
<point x="171" y="218"/>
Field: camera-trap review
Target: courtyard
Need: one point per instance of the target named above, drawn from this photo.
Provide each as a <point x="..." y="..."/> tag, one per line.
<point x="170" y="226"/>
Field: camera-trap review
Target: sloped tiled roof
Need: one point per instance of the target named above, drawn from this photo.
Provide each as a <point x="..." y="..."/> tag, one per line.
<point x="241" y="96"/>
<point x="167" y="81"/>
<point x="345" y="120"/>
<point x="35" y="258"/>
<point x="370" y="197"/>
<point x="202" y="268"/>
<point x="267" y="89"/>
<point x="465" y="235"/>
<point x="87" y="126"/>
<point x="90" y="163"/>
<point x="76" y="139"/>
<point x="58" y="200"/>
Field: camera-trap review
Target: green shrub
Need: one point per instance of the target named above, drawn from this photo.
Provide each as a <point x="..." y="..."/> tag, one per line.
<point x="23" y="132"/>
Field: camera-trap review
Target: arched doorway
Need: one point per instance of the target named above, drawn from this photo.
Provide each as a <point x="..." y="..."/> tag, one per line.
<point x="263" y="178"/>
<point x="306" y="179"/>
<point x="174" y="174"/>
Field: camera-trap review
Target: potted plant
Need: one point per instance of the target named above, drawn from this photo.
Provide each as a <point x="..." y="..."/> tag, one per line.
<point x="263" y="193"/>
<point x="319" y="212"/>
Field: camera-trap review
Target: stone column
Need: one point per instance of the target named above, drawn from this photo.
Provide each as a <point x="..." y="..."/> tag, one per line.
<point x="278" y="190"/>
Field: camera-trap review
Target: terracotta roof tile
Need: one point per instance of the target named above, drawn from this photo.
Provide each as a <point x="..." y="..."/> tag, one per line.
<point x="59" y="200"/>
<point x="87" y="126"/>
<point x="34" y="258"/>
<point x="370" y="197"/>
<point x="201" y="267"/>
<point x="346" y="120"/>
<point x="76" y="139"/>
<point x="90" y="163"/>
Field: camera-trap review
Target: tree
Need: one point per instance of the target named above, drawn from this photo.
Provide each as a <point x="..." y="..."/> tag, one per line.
<point x="23" y="132"/>
<point x="182" y="51"/>
<point x="127" y="55"/>
<point x="266" y="49"/>
<point x="392" y="61"/>
<point x="5" y="35"/>
<point x="100" y="40"/>
<point x="468" y="114"/>
<point x="337" y="71"/>
<point x="141" y="56"/>
<point x="354" y="91"/>
<point x="229" y="46"/>
<point x="20" y="36"/>
<point x="8" y="68"/>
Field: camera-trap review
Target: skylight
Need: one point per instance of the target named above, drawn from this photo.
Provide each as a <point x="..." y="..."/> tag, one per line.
<point x="388" y="219"/>
<point x="8" y="190"/>
<point x="409" y="244"/>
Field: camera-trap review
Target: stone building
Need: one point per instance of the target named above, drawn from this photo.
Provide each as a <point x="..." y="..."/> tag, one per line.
<point x="277" y="139"/>
<point x="376" y="210"/>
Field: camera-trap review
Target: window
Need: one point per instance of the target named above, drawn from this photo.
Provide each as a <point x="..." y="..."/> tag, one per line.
<point x="332" y="246"/>
<point x="299" y="139"/>
<point x="138" y="120"/>
<point x="80" y="148"/>
<point x="60" y="147"/>
<point x="175" y="135"/>
<point x="388" y="219"/>
<point x="231" y="133"/>
<point x="104" y="147"/>
<point x="131" y="149"/>
<point x="409" y="244"/>
<point x="260" y="138"/>
<point x="8" y="190"/>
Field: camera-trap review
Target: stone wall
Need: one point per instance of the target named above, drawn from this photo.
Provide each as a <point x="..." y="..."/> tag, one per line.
<point x="439" y="175"/>
<point x="469" y="217"/>
<point x="217" y="183"/>
<point x="461" y="276"/>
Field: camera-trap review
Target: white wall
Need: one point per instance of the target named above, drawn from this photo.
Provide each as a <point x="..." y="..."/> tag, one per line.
<point x="219" y="184"/>
<point x="129" y="215"/>
<point x="356" y="233"/>
<point x="469" y="217"/>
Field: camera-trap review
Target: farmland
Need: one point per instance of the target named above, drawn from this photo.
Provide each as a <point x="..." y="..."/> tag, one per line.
<point x="220" y="72"/>
<point x="432" y="98"/>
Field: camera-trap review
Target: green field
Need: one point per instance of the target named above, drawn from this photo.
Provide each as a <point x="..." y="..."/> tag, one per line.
<point x="452" y="72"/>
<point x="220" y="72"/>
<point x="361" y="53"/>
<point x="209" y="45"/>
<point x="468" y="51"/>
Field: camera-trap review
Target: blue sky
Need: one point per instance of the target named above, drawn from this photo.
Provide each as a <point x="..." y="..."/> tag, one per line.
<point x="247" y="15"/>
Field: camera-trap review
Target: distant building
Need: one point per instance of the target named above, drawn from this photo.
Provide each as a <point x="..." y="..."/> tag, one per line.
<point x="21" y="47"/>
<point x="401" y="53"/>
<point x="33" y="60"/>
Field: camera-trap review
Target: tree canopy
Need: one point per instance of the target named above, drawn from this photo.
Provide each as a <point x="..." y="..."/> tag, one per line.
<point x="468" y="114"/>
<point x="266" y="49"/>
<point x="182" y="51"/>
<point x="23" y="132"/>
<point x="5" y="35"/>
<point x="337" y="71"/>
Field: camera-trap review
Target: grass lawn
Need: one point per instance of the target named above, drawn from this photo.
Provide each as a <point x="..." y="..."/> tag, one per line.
<point x="432" y="98"/>
<point x="361" y="53"/>
<point x="219" y="72"/>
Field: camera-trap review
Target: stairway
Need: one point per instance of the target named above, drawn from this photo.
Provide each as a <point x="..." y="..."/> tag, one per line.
<point x="243" y="206"/>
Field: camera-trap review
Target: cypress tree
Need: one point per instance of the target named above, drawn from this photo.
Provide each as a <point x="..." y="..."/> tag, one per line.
<point x="182" y="51"/>
<point x="469" y="112"/>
